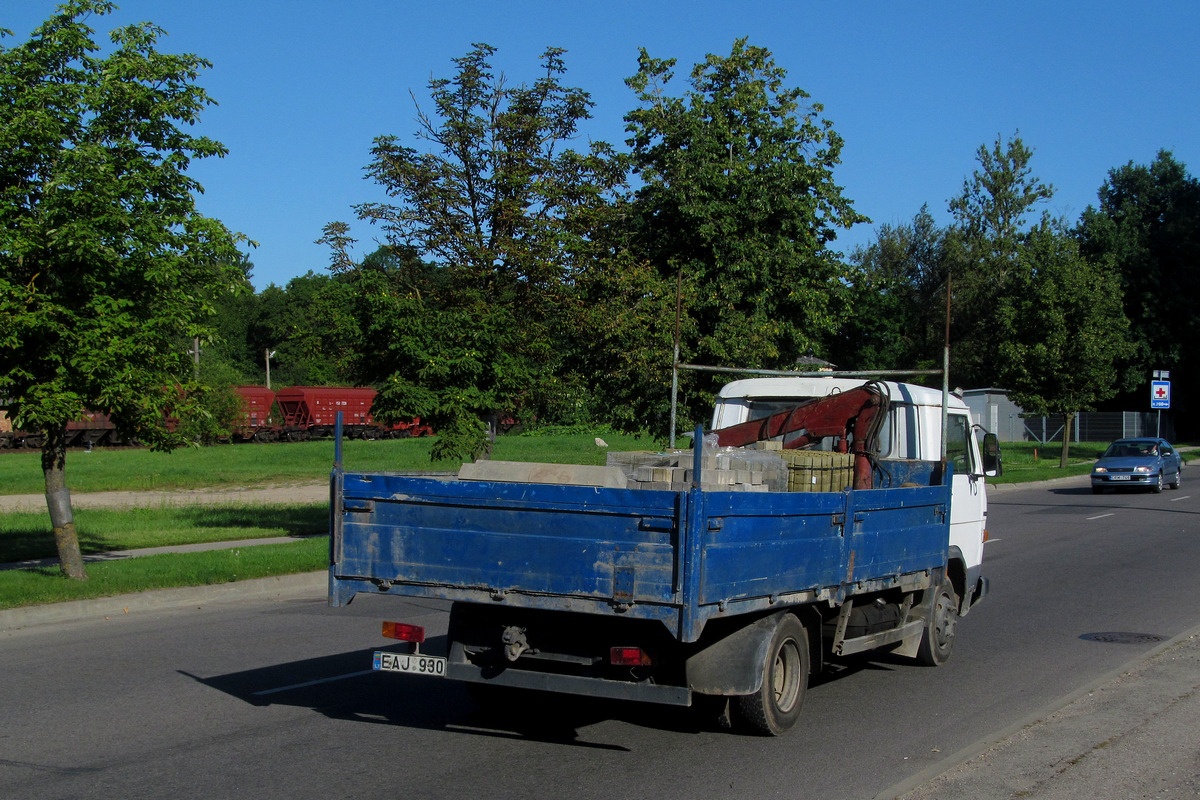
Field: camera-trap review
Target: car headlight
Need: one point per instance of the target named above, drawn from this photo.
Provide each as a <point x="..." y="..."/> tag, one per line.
<point x="1141" y="469"/>
<point x="1100" y="469"/>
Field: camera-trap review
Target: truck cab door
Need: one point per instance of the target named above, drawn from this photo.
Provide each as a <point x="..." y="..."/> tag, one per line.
<point x="968" y="495"/>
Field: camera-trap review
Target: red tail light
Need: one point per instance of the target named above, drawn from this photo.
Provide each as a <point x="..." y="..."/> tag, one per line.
<point x="629" y="657"/>
<point x="405" y="633"/>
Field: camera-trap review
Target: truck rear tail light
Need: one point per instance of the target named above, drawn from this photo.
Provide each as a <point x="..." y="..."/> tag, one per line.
<point x="629" y="657"/>
<point x="403" y="632"/>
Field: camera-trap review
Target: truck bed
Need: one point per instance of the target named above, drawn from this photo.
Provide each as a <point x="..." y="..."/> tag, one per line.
<point x="679" y="557"/>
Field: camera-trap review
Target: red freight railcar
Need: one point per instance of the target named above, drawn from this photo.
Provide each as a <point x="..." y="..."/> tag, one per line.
<point x="90" y="429"/>
<point x="311" y="412"/>
<point x="254" y="422"/>
<point x="307" y="412"/>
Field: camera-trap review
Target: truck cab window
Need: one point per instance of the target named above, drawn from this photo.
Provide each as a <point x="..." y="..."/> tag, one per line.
<point x="958" y="450"/>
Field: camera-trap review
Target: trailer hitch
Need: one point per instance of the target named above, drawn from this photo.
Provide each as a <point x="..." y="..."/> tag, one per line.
<point x="514" y="642"/>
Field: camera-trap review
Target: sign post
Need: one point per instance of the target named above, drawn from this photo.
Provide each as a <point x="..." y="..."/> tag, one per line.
<point x="1160" y="394"/>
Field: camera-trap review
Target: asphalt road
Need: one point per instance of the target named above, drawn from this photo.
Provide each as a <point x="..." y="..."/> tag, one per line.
<point x="271" y="698"/>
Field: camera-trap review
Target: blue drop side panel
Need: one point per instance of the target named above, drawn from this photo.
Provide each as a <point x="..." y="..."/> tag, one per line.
<point x="770" y="543"/>
<point x="536" y="538"/>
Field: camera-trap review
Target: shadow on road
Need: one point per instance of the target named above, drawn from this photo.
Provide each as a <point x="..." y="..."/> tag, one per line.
<point x="343" y="687"/>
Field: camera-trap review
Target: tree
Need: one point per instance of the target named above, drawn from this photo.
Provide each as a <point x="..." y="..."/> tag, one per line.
<point x="109" y="269"/>
<point x="1147" y="226"/>
<point x="498" y="204"/>
<point x="1060" y="328"/>
<point x="991" y="217"/>
<point x="738" y="203"/>
<point x="898" y="295"/>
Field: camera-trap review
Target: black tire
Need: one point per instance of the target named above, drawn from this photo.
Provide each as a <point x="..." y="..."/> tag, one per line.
<point x="1178" y="478"/>
<point x="937" y="640"/>
<point x="1157" y="486"/>
<point x="775" y="707"/>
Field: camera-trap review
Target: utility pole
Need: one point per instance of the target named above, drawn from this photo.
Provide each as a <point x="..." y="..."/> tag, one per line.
<point x="269" y="355"/>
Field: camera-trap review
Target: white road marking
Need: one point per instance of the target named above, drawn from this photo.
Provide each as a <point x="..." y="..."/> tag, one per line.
<point x="1101" y="516"/>
<point x="1177" y="499"/>
<point x="313" y="683"/>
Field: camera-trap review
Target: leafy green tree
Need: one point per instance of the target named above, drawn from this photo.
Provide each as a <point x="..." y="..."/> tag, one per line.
<point x="1060" y="328"/>
<point x="497" y="203"/>
<point x="108" y="268"/>
<point x="1147" y="226"/>
<point x="898" y="295"/>
<point x="229" y="347"/>
<point x="992" y="215"/>
<point x="739" y="204"/>
<point x="619" y="353"/>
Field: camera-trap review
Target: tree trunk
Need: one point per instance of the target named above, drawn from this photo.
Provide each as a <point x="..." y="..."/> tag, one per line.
<point x="1068" y="422"/>
<point x="58" y="500"/>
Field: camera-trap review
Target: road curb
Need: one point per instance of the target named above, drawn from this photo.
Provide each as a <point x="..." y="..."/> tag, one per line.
<point x="1038" y="756"/>
<point x="314" y="584"/>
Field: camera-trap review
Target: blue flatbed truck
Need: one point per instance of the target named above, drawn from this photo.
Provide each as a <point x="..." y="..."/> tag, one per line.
<point x="654" y="595"/>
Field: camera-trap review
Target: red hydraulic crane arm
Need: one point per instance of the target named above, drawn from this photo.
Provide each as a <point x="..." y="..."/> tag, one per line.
<point x="852" y="413"/>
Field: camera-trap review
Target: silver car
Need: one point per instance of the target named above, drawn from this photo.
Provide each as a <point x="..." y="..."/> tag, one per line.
<point x="1146" y="463"/>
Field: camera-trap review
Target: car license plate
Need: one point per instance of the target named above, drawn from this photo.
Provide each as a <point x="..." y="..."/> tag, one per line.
<point x="1120" y="477"/>
<point x="414" y="663"/>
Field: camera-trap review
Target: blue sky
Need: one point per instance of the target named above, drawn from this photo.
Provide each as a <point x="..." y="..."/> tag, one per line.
<point x="913" y="88"/>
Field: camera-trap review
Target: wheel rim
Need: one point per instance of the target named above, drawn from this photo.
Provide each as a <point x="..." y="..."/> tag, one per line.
<point x="785" y="675"/>
<point x="944" y="621"/>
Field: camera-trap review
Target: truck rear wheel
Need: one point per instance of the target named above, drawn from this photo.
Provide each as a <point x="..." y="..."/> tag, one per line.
<point x="937" y="640"/>
<point x="775" y="707"/>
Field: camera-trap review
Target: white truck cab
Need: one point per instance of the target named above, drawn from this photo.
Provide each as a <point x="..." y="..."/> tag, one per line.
<point x="913" y="430"/>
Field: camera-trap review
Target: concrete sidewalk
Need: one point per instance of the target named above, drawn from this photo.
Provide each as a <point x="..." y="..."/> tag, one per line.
<point x="168" y="498"/>
<point x="1131" y="735"/>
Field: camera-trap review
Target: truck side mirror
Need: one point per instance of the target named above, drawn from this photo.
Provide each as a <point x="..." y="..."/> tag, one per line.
<point x="992" y="463"/>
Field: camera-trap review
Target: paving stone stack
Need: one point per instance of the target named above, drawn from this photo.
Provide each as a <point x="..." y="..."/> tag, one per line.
<point x="762" y="467"/>
<point x="818" y="470"/>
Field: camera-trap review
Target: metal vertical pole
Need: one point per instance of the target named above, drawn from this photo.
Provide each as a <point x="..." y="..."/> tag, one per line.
<point x="675" y="358"/>
<point x="946" y="380"/>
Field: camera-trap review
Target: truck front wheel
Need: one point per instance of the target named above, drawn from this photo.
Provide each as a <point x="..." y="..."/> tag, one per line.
<point x="937" y="640"/>
<point x="775" y="707"/>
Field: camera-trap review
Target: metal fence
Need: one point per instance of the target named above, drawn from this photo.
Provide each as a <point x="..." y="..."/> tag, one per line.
<point x="1091" y="426"/>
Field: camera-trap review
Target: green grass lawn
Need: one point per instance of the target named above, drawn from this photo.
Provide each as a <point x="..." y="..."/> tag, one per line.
<point x="28" y="587"/>
<point x="1026" y="462"/>
<point x="27" y="535"/>
<point x="115" y="469"/>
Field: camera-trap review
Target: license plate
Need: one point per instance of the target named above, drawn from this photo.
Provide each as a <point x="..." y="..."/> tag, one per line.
<point x="1120" y="477"/>
<point x="410" y="662"/>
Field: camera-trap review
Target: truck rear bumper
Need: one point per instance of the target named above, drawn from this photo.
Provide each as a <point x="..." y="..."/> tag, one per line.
<point x="572" y="684"/>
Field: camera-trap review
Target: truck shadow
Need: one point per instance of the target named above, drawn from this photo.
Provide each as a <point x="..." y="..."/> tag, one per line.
<point x="343" y="687"/>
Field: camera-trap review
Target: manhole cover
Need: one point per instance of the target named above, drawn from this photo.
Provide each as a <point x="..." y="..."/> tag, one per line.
<point x="1124" y="638"/>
